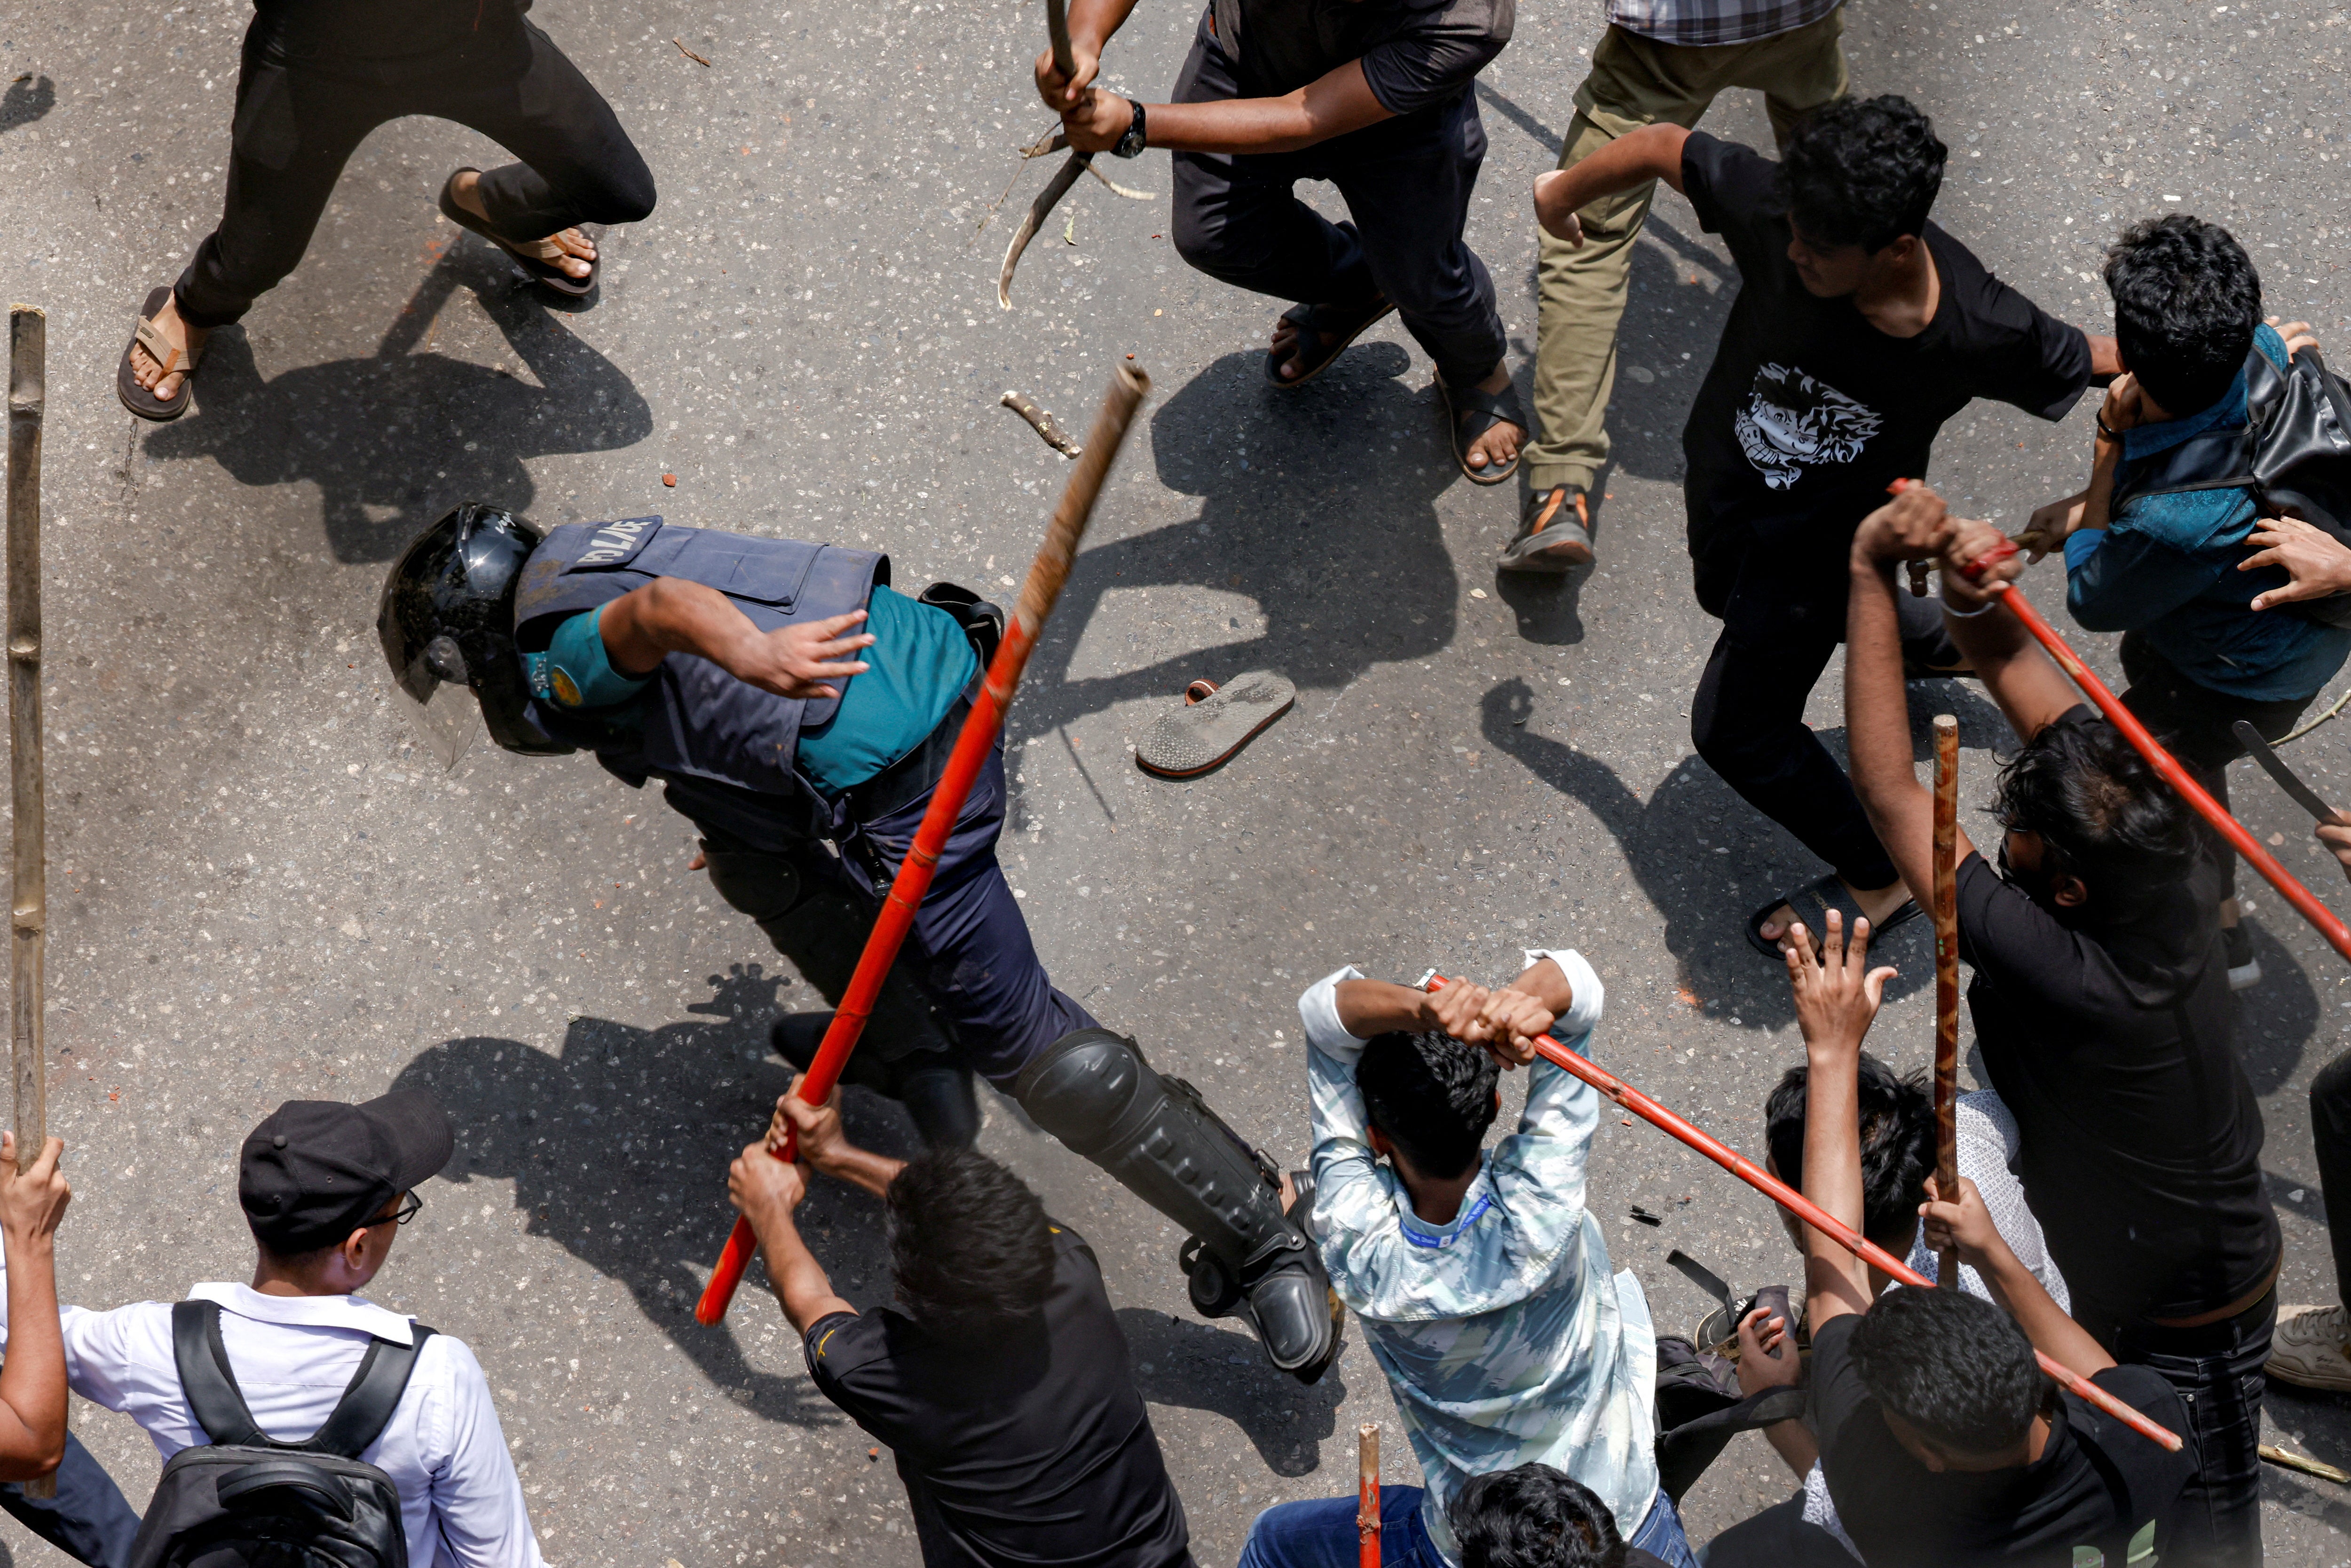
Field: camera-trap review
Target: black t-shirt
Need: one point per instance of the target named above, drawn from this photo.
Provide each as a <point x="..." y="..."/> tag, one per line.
<point x="2142" y="1140"/>
<point x="1808" y="412"/>
<point x="2096" y="1483"/>
<point x="1416" y="53"/>
<point x="1032" y="1450"/>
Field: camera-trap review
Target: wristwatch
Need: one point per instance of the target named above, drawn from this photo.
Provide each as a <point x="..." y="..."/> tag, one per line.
<point x="1130" y="144"/>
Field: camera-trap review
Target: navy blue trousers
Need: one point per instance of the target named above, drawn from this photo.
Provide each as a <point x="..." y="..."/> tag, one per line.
<point x="89" y="1519"/>
<point x="968" y="970"/>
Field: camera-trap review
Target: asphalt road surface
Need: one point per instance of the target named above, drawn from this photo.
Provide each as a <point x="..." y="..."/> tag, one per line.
<point x="260" y="889"/>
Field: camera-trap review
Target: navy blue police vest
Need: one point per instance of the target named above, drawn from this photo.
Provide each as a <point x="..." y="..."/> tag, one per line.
<point x="700" y="722"/>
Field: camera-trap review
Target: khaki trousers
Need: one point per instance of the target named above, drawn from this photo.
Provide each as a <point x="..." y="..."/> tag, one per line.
<point x="1637" y="81"/>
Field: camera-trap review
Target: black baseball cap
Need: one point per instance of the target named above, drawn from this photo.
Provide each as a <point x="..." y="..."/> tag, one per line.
<point x="318" y="1170"/>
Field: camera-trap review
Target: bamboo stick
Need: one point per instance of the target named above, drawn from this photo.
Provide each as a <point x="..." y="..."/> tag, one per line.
<point x="1947" y="977"/>
<point x="1367" y="1494"/>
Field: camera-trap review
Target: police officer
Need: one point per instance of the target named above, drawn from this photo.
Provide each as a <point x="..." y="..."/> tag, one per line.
<point x="789" y="699"/>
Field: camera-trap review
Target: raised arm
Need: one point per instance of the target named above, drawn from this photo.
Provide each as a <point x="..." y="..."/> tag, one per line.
<point x="824" y="1146"/>
<point x="1835" y="1001"/>
<point x="33" y="1380"/>
<point x="1966" y="1223"/>
<point x="1652" y="152"/>
<point x="670" y="615"/>
<point x="767" y="1189"/>
<point x="1091" y="22"/>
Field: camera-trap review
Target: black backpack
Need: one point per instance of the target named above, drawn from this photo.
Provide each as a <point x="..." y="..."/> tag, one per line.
<point x="2293" y="454"/>
<point x="248" y="1501"/>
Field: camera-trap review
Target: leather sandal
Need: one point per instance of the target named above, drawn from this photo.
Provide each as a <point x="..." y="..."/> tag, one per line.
<point x="1343" y="325"/>
<point x="1212" y="723"/>
<point x="1471" y="414"/>
<point x="545" y="272"/>
<point x="142" y="401"/>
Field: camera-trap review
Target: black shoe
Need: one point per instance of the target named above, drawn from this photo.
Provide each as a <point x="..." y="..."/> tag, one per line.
<point x="936" y="1089"/>
<point x="1554" y="534"/>
<point x="2244" y="969"/>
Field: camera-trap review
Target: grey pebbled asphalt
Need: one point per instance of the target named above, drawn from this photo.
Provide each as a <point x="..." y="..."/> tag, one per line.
<point x="261" y="889"/>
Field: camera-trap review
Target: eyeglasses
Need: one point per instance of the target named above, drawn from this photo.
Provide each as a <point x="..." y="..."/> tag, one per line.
<point x="400" y="1215"/>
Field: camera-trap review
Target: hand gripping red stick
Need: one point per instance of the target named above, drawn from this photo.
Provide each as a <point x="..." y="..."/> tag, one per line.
<point x="1046" y="575"/>
<point x="2305" y="901"/>
<point x="1811" y="1214"/>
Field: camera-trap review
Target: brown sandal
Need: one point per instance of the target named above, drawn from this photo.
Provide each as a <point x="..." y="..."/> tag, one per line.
<point x="142" y="401"/>
<point x="547" y="274"/>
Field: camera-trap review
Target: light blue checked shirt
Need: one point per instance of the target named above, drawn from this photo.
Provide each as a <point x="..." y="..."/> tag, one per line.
<point x="1505" y="1340"/>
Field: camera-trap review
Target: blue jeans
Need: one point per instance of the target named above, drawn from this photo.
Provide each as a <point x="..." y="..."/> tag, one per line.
<point x="1322" y="1534"/>
<point x="89" y="1519"/>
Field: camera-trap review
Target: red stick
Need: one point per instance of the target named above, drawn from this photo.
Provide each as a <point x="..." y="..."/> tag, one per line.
<point x="1046" y="575"/>
<point x="1368" y="1495"/>
<point x="2306" y="903"/>
<point x="1811" y="1214"/>
<point x="2338" y="934"/>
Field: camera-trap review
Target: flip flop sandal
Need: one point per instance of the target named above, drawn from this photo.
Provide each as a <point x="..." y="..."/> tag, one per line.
<point x="1312" y="322"/>
<point x="1212" y="723"/>
<point x="1824" y="895"/>
<point x="1471" y="414"/>
<point x="142" y="401"/>
<point x="545" y="272"/>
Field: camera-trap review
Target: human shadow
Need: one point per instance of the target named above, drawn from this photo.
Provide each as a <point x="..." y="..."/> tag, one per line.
<point x="28" y="98"/>
<point x="1198" y="1366"/>
<point x="594" y="1139"/>
<point x="1704" y="859"/>
<point x="1323" y="510"/>
<point x="394" y="439"/>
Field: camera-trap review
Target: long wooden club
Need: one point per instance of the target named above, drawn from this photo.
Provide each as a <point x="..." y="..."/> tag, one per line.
<point x="28" y="897"/>
<point x="1946" y="977"/>
<point x="1811" y="1214"/>
<point x="1047" y="575"/>
<point x="1368" y="1495"/>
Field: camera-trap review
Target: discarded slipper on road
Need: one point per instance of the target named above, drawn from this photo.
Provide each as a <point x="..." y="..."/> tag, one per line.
<point x="1212" y="723"/>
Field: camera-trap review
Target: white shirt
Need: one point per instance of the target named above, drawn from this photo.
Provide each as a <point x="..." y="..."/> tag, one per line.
<point x="460" y="1500"/>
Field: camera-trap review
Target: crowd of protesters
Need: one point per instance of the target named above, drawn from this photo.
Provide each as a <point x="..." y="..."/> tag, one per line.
<point x="2110" y="1216"/>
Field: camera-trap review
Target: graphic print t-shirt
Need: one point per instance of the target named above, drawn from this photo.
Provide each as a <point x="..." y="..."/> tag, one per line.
<point x="1810" y="410"/>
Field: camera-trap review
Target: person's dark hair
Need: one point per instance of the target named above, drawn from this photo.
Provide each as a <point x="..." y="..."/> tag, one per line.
<point x="1953" y="1365"/>
<point x="1862" y="171"/>
<point x="2187" y="300"/>
<point x="1431" y="1096"/>
<point x="1897" y="1144"/>
<point x="1533" y="1517"/>
<point x="2103" y="813"/>
<point x="969" y="1243"/>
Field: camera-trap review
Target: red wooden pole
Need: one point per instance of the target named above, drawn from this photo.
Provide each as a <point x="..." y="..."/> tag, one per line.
<point x="1811" y="1214"/>
<point x="1047" y="575"/>
<point x="1368" y="1495"/>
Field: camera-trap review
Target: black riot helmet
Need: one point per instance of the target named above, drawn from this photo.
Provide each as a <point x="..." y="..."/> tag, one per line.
<point x="447" y="628"/>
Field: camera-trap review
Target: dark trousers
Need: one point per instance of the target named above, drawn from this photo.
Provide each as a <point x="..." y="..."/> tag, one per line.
<point x="969" y="971"/>
<point x="1781" y="601"/>
<point x="2218" y="1373"/>
<point x="2330" y="1129"/>
<point x="2194" y="724"/>
<point x="1406" y="183"/>
<point x="299" y="120"/>
<point x="1777" y="1538"/>
<point x="89" y="1519"/>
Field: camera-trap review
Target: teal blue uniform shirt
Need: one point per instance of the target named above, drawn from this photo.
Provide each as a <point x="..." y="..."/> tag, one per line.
<point x="919" y="664"/>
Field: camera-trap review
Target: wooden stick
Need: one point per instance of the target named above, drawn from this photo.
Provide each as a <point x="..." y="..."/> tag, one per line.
<point x="2294" y="1461"/>
<point x="1047" y="575"/>
<point x="1057" y="32"/>
<point x="1813" y="1215"/>
<point x="29" y="951"/>
<point x="1947" y="977"/>
<point x="1367" y="1494"/>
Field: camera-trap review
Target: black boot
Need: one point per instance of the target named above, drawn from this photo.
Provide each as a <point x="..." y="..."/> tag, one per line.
<point x="1244" y="1257"/>
<point x="936" y="1089"/>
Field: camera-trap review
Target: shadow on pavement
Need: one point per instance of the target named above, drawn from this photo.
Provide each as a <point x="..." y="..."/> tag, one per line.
<point x="1328" y="522"/>
<point x="1704" y="897"/>
<point x="393" y="440"/>
<point x="618" y="1148"/>
<point x="28" y="98"/>
<point x="1202" y="1366"/>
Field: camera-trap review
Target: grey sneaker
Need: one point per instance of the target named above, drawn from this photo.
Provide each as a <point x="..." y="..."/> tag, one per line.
<point x="1554" y="535"/>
